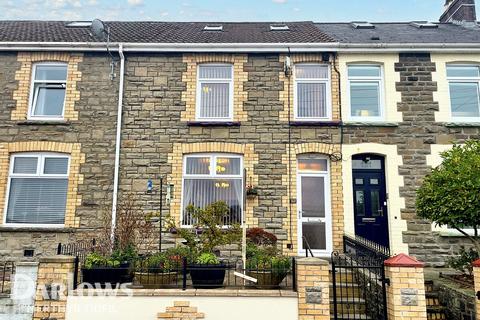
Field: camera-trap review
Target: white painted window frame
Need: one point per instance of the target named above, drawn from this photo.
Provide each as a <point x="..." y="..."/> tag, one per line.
<point x="462" y="80"/>
<point x="328" y="209"/>
<point x="381" y="94"/>
<point x="39" y="174"/>
<point x="34" y="93"/>
<point x="198" y="99"/>
<point x="328" y="96"/>
<point x="212" y="175"/>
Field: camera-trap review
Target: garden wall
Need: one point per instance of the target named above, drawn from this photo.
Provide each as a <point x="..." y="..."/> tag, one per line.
<point x="459" y="302"/>
<point x="212" y="304"/>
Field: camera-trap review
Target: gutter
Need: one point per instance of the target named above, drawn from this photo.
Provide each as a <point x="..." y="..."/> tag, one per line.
<point x="117" y="144"/>
<point x="243" y="47"/>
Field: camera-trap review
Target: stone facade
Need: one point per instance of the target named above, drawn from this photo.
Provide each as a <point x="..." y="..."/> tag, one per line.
<point x="159" y="129"/>
<point x="156" y="136"/>
<point x="87" y="134"/>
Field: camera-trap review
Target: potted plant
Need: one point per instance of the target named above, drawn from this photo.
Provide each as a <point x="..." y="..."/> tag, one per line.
<point x="204" y="240"/>
<point x="112" y="269"/>
<point x="155" y="270"/>
<point x="264" y="261"/>
<point x="207" y="271"/>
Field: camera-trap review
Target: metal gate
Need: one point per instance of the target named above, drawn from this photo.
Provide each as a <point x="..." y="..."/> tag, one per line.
<point x="359" y="284"/>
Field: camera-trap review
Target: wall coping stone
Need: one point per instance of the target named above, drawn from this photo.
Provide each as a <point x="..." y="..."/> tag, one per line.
<point x="188" y="292"/>
<point x="57" y="259"/>
<point x="403" y="260"/>
<point x="476" y="263"/>
<point x="312" y="261"/>
<point x="26" y="264"/>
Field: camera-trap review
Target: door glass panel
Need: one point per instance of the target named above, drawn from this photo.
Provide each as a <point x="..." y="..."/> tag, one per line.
<point x="315" y="234"/>
<point x="360" y="202"/>
<point x="374" y="181"/>
<point x="359" y="181"/>
<point x="375" y="200"/>
<point x="313" y="197"/>
<point x="366" y="165"/>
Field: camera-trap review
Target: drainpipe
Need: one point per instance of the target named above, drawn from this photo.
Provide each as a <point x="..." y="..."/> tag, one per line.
<point x="117" y="144"/>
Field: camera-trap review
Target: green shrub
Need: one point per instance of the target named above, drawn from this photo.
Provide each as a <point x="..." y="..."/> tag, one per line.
<point x="208" y="258"/>
<point x="463" y="262"/>
<point x="95" y="260"/>
<point x="267" y="258"/>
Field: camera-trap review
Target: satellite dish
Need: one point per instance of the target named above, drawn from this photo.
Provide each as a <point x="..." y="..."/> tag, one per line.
<point x="98" y="30"/>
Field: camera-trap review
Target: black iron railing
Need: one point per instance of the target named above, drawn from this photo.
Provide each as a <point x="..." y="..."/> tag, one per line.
<point x="359" y="287"/>
<point x="366" y="249"/>
<point x="79" y="249"/>
<point x="184" y="275"/>
<point x="6" y="275"/>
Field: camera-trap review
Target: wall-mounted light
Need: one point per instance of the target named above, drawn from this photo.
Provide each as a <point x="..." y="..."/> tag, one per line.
<point x="170" y="189"/>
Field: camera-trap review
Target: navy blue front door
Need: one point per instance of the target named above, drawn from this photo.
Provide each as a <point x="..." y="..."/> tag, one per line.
<point x="370" y="198"/>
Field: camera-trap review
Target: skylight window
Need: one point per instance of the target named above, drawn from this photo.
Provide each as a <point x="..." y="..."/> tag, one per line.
<point x="424" y="25"/>
<point x="79" y="24"/>
<point x="279" y="27"/>
<point x="213" y="27"/>
<point x="362" y="25"/>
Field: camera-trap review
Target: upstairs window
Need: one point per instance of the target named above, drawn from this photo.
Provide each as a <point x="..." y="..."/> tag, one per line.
<point x="312" y="85"/>
<point x="215" y="92"/>
<point x="208" y="178"/>
<point x="47" y="98"/>
<point x="463" y="84"/>
<point x="37" y="189"/>
<point x="366" y="91"/>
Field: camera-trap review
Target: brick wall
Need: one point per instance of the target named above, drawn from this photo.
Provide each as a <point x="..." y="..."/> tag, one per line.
<point x="91" y="129"/>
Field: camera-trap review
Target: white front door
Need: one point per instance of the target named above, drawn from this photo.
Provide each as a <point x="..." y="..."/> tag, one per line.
<point x="313" y="203"/>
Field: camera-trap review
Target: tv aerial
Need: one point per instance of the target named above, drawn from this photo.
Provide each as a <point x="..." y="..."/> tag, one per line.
<point x="100" y="31"/>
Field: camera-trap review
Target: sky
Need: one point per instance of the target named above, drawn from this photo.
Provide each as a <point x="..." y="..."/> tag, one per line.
<point x="224" y="10"/>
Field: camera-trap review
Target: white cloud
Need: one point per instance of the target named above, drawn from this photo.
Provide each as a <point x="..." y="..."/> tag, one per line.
<point x="279" y="1"/>
<point x="135" y="2"/>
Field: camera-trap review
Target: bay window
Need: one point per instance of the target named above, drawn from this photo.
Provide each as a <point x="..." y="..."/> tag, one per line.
<point x="47" y="97"/>
<point x="208" y="178"/>
<point x="312" y="92"/>
<point x="366" y="92"/>
<point x="37" y="189"/>
<point x="463" y="81"/>
<point x="215" y="92"/>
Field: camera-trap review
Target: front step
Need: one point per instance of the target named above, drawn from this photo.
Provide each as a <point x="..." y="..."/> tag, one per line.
<point x="349" y="306"/>
<point x="435" y="311"/>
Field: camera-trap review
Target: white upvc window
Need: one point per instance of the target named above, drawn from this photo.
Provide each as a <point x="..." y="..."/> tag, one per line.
<point x="37" y="189"/>
<point x="208" y="178"/>
<point x="463" y="82"/>
<point x="365" y="92"/>
<point x="47" y="92"/>
<point x="312" y="92"/>
<point x="215" y="92"/>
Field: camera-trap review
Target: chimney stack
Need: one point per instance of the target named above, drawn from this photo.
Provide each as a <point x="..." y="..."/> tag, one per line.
<point x="459" y="11"/>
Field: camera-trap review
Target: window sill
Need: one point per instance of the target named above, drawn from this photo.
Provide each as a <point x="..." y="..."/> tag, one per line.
<point x="213" y="123"/>
<point x="315" y="123"/>
<point x="462" y="124"/>
<point x="454" y="233"/>
<point x="44" y="122"/>
<point x="16" y="228"/>
<point x="370" y="124"/>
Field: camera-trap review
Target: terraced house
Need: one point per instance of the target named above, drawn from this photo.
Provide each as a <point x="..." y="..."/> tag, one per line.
<point x="309" y="130"/>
